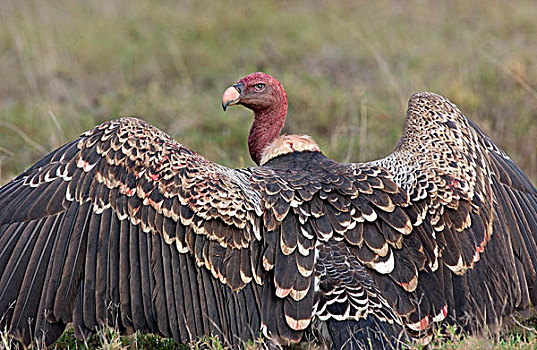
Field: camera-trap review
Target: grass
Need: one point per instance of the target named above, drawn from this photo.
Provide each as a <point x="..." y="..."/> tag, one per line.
<point x="348" y="67"/>
<point x="522" y="337"/>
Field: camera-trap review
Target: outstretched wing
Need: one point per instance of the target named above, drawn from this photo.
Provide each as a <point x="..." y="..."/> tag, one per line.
<point x="474" y="234"/>
<point x="125" y="226"/>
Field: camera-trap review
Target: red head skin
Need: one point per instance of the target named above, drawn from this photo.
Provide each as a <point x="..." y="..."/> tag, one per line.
<point x="269" y="103"/>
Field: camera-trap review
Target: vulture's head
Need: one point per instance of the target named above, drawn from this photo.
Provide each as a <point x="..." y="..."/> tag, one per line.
<point x="266" y="97"/>
<point x="257" y="91"/>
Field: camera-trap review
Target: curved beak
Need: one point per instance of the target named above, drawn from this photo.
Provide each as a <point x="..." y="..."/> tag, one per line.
<point x="232" y="95"/>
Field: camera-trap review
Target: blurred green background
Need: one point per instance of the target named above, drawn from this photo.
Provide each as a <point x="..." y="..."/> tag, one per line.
<point x="348" y="68"/>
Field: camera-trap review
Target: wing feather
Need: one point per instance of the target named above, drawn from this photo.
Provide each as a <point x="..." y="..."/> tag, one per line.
<point x="102" y="268"/>
<point x="71" y="270"/>
<point x="162" y="311"/>
<point x="113" y="277"/>
<point x="14" y="280"/>
<point x="146" y="282"/>
<point x="181" y="299"/>
<point x="478" y="215"/>
<point x="127" y="227"/>
<point x="169" y="288"/>
<point x="90" y="273"/>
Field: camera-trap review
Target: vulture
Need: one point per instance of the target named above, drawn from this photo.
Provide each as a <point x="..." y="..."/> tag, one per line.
<point x="129" y="228"/>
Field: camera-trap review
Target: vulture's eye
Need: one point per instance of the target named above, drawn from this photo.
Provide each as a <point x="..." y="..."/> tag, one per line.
<point x="259" y="87"/>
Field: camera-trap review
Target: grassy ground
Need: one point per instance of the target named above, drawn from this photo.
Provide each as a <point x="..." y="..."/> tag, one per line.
<point x="348" y="67"/>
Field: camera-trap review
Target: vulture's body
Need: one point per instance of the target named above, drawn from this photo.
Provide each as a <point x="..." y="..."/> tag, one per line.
<point x="127" y="227"/>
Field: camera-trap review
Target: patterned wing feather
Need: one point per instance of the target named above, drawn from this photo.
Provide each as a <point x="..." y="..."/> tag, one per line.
<point x="125" y="226"/>
<point x="473" y="215"/>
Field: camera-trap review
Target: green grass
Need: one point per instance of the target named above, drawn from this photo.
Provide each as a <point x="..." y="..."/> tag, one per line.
<point x="348" y="67"/>
<point x="522" y="335"/>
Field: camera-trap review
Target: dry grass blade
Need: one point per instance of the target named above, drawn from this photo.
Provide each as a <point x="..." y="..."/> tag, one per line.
<point x="25" y="137"/>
